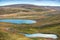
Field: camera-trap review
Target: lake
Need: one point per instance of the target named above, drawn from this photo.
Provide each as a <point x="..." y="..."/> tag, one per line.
<point x="18" y="21"/>
<point x="53" y="36"/>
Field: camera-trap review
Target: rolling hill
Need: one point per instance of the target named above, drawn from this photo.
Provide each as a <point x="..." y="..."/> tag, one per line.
<point x="47" y="17"/>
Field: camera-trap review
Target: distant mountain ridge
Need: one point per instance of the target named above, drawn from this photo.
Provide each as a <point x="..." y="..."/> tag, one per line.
<point x="32" y="6"/>
<point x="16" y="8"/>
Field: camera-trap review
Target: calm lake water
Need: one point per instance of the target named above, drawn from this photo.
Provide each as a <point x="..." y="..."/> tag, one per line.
<point x="17" y="21"/>
<point x="42" y="35"/>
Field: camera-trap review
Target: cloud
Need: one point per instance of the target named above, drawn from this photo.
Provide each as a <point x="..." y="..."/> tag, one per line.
<point x="47" y="0"/>
<point x="31" y="0"/>
<point x="37" y="2"/>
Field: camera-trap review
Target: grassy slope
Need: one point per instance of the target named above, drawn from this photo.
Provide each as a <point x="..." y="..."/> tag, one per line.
<point x="47" y="22"/>
<point x="25" y="28"/>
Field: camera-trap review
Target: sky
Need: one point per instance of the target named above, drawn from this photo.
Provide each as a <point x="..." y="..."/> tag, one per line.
<point x="34" y="2"/>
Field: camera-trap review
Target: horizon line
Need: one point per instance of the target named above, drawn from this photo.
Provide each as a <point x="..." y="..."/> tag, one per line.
<point x="28" y="4"/>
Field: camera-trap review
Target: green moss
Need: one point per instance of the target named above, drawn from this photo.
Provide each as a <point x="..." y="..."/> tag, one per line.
<point x="5" y="36"/>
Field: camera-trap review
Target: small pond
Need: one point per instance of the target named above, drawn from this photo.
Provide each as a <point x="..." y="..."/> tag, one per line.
<point x="18" y="21"/>
<point x="53" y="36"/>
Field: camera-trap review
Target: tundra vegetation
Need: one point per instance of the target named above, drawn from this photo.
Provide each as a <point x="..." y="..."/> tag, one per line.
<point x="47" y="21"/>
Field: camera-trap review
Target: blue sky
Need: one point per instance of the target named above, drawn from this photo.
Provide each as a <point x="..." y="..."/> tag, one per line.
<point x="35" y="2"/>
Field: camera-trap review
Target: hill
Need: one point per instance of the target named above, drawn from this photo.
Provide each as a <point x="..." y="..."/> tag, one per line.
<point x="26" y="10"/>
<point x="47" y="18"/>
